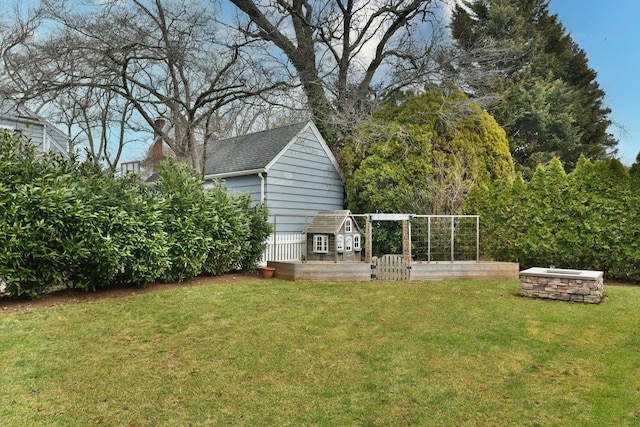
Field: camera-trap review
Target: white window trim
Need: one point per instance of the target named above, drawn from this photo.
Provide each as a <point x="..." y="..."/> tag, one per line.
<point x="348" y="244"/>
<point x="340" y="243"/>
<point x="348" y="225"/>
<point x="356" y="243"/>
<point x="320" y="243"/>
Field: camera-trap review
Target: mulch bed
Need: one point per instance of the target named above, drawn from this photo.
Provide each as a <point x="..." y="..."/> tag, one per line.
<point x="75" y="296"/>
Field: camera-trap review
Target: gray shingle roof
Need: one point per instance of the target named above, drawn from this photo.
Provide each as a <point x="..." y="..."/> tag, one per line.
<point x="328" y="222"/>
<point x="249" y="152"/>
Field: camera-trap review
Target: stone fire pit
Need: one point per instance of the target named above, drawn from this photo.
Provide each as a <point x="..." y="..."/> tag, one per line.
<point x="563" y="284"/>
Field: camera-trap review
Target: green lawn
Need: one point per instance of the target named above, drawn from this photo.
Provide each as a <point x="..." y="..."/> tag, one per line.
<point x="275" y="353"/>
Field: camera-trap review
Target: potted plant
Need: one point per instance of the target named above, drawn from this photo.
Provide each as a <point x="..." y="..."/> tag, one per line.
<point x="267" y="272"/>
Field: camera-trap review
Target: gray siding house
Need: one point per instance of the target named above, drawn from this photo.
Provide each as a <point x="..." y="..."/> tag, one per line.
<point x="290" y="169"/>
<point x="43" y="135"/>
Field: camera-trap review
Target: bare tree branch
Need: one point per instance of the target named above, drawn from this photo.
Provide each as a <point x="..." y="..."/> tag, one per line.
<point x="342" y="49"/>
<point x="168" y="59"/>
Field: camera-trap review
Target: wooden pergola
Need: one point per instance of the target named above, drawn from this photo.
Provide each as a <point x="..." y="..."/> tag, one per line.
<point x="406" y="233"/>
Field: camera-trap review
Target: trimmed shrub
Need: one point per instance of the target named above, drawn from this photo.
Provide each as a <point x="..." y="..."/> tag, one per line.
<point x="228" y="226"/>
<point x="70" y="224"/>
<point x="125" y="229"/>
<point x="37" y="206"/>
<point x="208" y="231"/>
<point x="184" y="214"/>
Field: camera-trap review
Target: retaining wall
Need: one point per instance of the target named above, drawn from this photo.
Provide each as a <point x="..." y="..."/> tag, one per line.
<point x="361" y="271"/>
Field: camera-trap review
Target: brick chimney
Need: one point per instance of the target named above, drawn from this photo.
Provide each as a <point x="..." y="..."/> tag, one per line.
<point x="156" y="154"/>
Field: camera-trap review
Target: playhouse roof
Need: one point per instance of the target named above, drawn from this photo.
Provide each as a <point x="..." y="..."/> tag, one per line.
<point x="329" y="222"/>
<point x="249" y="152"/>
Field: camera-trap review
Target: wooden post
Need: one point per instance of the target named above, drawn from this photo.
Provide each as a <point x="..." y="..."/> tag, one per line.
<point x="406" y="240"/>
<point x="368" y="241"/>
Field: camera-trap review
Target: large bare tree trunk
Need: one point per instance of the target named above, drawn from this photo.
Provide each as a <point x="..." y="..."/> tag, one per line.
<point x="339" y="48"/>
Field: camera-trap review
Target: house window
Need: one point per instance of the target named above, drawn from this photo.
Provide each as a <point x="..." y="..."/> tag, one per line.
<point x="347" y="226"/>
<point x="340" y="243"/>
<point x="321" y="243"/>
<point x="130" y="167"/>
<point x="356" y="243"/>
<point x="348" y="244"/>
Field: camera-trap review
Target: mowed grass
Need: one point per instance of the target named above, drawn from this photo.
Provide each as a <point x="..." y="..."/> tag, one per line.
<point x="449" y="353"/>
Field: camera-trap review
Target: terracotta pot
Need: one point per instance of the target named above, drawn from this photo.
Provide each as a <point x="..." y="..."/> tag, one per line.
<point x="267" y="272"/>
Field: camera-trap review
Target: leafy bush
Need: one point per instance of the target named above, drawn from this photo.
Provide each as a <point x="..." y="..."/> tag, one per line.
<point x="259" y="230"/>
<point x="68" y="224"/>
<point x="422" y="153"/>
<point x="125" y="230"/>
<point x="208" y="231"/>
<point x="36" y="209"/>
<point x="185" y="215"/>
<point x="228" y="226"/>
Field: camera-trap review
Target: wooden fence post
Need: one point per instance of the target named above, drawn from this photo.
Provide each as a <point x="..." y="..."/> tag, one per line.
<point x="406" y="241"/>
<point x="368" y="241"/>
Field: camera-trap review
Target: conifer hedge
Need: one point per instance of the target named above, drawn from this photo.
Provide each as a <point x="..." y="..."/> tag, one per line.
<point x="588" y="219"/>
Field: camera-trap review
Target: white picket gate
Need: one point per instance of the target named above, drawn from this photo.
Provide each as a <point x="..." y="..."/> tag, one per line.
<point x="284" y="247"/>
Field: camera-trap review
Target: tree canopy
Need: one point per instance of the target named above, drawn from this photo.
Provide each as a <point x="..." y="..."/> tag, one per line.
<point x="348" y="53"/>
<point x="421" y="153"/>
<point x="550" y="103"/>
<point x="143" y="59"/>
<point x="210" y="67"/>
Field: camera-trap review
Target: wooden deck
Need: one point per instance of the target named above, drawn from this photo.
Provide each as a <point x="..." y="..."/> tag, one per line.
<point x="362" y="271"/>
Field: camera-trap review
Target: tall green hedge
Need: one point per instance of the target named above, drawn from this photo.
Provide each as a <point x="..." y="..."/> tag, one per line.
<point x="588" y="219"/>
<point x="64" y="223"/>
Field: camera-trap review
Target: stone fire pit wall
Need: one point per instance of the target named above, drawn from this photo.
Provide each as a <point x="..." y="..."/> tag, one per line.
<point x="562" y="284"/>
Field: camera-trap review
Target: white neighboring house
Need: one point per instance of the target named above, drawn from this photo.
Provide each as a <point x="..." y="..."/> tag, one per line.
<point x="44" y="136"/>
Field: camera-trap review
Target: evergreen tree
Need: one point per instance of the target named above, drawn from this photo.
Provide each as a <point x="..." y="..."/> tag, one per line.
<point x="422" y="153"/>
<point x="634" y="171"/>
<point x="587" y="219"/>
<point x="551" y="105"/>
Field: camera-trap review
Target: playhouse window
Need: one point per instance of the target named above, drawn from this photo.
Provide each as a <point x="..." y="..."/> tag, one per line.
<point x="348" y="245"/>
<point x="320" y="243"/>
<point x="340" y="243"/>
<point x="356" y="242"/>
<point x="347" y="225"/>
